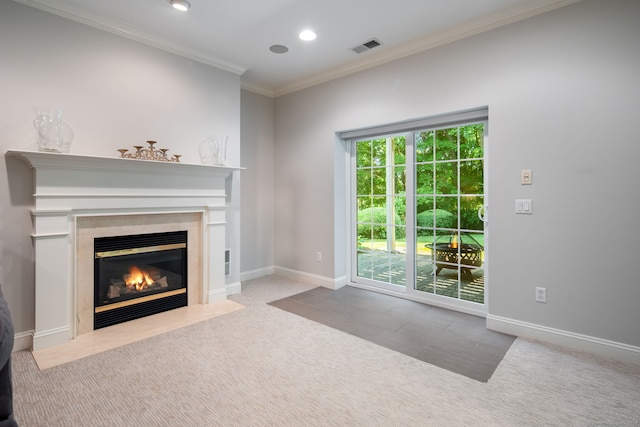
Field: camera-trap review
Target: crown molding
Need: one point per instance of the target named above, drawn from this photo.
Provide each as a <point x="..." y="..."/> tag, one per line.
<point x="514" y="14"/>
<point x="468" y="29"/>
<point x="132" y="33"/>
<point x="257" y="89"/>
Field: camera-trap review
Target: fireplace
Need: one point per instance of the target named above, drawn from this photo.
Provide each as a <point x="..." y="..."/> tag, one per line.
<point x="79" y="199"/>
<point x="138" y="275"/>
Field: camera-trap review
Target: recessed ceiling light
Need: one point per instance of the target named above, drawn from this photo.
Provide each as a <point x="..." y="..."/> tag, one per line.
<point x="278" y="48"/>
<point x="307" y="35"/>
<point x="182" y="5"/>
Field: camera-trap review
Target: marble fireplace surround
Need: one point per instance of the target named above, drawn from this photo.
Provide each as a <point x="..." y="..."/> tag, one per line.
<point x="78" y="198"/>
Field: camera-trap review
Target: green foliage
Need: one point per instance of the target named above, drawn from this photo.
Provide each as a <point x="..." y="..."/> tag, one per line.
<point x="449" y="162"/>
<point x="434" y="218"/>
<point x="400" y="205"/>
<point x="372" y="224"/>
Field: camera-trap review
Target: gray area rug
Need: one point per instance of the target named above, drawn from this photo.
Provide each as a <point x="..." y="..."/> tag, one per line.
<point x="262" y="366"/>
<point x="455" y="341"/>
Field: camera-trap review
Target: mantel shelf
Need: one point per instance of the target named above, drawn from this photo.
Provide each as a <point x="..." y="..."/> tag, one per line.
<point x="45" y="160"/>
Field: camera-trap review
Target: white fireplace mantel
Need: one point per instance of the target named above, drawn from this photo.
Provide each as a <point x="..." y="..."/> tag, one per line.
<point x="70" y="187"/>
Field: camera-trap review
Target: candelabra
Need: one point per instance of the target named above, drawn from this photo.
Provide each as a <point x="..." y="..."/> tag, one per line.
<point x="149" y="153"/>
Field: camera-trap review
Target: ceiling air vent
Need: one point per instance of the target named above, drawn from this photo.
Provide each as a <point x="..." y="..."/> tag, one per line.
<point x="366" y="46"/>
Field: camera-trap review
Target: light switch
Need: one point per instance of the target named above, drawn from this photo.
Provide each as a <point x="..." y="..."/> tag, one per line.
<point x="523" y="206"/>
<point x="525" y="177"/>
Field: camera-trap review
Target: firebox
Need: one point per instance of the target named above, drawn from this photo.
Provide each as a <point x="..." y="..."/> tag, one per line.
<point x="139" y="275"/>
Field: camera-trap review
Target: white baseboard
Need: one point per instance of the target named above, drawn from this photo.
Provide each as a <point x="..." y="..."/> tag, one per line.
<point x="234" y="288"/>
<point x="217" y="295"/>
<point x="313" y="279"/>
<point x="51" y="337"/>
<point x="23" y="341"/>
<point x="254" y="274"/>
<point x="611" y="349"/>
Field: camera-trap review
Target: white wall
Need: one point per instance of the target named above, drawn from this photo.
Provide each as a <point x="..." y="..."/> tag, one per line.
<point x="563" y="91"/>
<point x="116" y="93"/>
<point x="256" y="155"/>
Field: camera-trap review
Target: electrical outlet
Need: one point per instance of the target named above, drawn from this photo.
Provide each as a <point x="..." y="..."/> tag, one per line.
<point x="319" y="256"/>
<point x="541" y="295"/>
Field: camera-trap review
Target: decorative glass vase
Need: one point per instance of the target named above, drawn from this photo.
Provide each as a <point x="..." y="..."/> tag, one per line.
<point x="213" y="150"/>
<point x="54" y="135"/>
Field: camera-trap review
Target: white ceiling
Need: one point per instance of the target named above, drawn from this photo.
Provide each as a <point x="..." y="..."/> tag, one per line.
<point x="236" y="34"/>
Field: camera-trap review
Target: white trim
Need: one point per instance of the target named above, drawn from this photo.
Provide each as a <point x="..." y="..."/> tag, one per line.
<point x="612" y="349"/>
<point x="50" y="235"/>
<point x="459" y="306"/>
<point x="313" y="279"/>
<point x="259" y="272"/>
<point x="133" y="33"/>
<point x="438" y="121"/>
<point x="41" y="160"/>
<point x="119" y="196"/>
<point x="480" y="25"/>
<point x="217" y="295"/>
<point x="234" y="288"/>
<point x="51" y="337"/>
<point x="23" y="340"/>
<point x="513" y="14"/>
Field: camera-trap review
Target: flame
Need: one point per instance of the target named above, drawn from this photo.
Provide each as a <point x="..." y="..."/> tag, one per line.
<point x="137" y="279"/>
<point x="454" y="241"/>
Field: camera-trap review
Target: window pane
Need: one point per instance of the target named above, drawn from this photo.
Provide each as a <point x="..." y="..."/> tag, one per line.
<point x="379" y="202"/>
<point x="379" y="152"/>
<point x="424" y="241"/>
<point x="400" y="179"/>
<point x="424" y="203"/>
<point x="424" y="179"/>
<point x="363" y="181"/>
<point x="399" y="150"/>
<point x="363" y="203"/>
<point x="447" y="178"/>
<point x="469" y="219"/>
<point x="365" y="241"/>
<point x="472" y="141"/>
<point x="363" y="154"/>
<point x="425" y="270"/>
<point x="400" y="203"/>
<point x="447" y="213"/>
<point x="471" y="177"/>
<point x="365" y="260"/>
<point x="424" y="146"/>
<point x="447" y="144"/>
<point x="379" y="181"/>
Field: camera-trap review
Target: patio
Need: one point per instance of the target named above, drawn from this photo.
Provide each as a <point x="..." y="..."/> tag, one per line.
<point x="389" y="267"/>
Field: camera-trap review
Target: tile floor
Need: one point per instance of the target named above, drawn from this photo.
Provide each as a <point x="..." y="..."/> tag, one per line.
<point x="454" y="341"/>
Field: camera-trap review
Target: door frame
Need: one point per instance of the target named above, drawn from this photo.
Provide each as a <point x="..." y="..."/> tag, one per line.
<point x="477" y="115"/>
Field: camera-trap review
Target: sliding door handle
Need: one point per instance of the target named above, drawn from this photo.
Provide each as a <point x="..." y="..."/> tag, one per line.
<point x="482" y="213"/>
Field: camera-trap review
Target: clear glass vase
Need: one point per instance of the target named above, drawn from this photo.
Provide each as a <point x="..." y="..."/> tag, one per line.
<point x="213" y="150"/>
<point x="54" y="135"/>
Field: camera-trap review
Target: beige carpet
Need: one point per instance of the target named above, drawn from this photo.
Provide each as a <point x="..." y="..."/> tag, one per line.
<point x="262" y="366"/>
<point x="126" y="333"/>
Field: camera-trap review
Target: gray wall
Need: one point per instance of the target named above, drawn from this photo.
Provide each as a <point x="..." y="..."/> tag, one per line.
<point x="256" y="155"/>
<point x="116" y="93"/>
<point x="563" y="91"/>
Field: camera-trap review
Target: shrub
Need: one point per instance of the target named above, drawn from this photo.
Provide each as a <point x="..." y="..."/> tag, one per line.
<point x="443" y="219"/>
<point x="377" y="216"/>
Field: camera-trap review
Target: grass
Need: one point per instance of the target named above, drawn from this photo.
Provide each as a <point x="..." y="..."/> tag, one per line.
<point x="422" y="244"/>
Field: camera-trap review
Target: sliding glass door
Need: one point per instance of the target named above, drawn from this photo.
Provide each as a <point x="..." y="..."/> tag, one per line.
<point x="380" y="200"/>
<point x="417" y="213"/>
<point x="449" y="199"/>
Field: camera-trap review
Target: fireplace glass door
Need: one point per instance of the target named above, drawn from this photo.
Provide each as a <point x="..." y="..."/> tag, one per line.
<point x="139" y="275"/>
